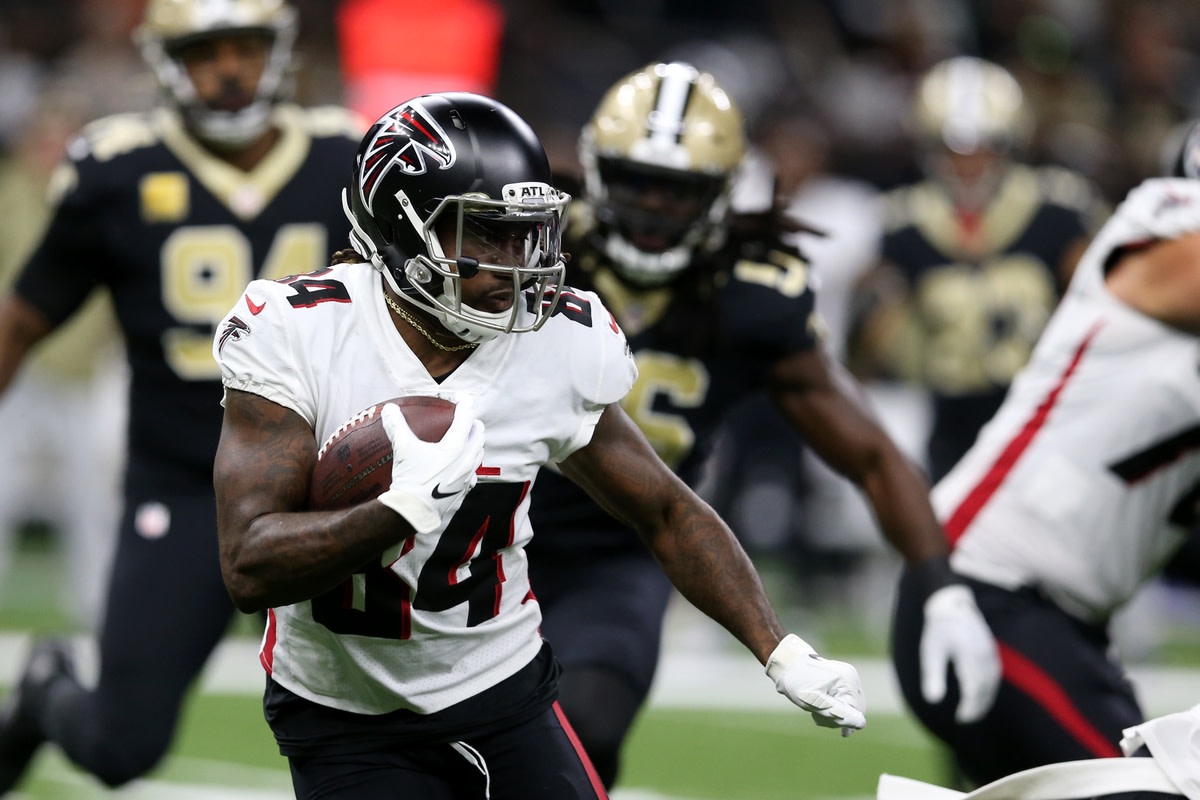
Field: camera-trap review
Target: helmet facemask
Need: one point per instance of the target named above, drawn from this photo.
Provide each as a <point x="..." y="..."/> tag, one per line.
<point x="464" y="235"/>
<point x="657" y="219"/>
<point x="171" y="28"/>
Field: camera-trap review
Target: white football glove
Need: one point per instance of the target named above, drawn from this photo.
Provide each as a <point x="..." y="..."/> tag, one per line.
<point x="430" y="479"/>
<point x="830" y="690"/>
<point x="956" y="633"/>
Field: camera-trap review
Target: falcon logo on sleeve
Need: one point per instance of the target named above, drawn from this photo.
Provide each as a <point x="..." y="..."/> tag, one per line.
<point x="234" y="329"/>
<point x="407" y="139"/>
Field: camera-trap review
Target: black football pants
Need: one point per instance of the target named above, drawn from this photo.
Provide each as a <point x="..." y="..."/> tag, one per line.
<point x="1063" y="698"/>
<point x="536" y="760"/>
<point x="602" y="614"/>
<point x="167" y="609"/>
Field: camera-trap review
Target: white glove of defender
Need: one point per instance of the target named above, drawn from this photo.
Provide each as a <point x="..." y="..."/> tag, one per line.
<point x="956" y="633"/>
<point x="830" y="690"/>
<point x="430" y="479"/>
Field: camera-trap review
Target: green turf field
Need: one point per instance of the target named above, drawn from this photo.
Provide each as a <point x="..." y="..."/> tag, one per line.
<point x="715" y="728"/>
<point x="225" y="753"/>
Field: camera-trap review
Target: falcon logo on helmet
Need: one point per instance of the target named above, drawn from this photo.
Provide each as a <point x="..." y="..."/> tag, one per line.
<point x="408" y="139"/>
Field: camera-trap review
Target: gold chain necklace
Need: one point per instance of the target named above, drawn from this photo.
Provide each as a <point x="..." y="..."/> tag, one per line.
<point x="411" y="320"/>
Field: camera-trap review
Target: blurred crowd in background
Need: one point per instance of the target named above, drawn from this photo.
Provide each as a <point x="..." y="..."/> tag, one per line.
<point x="825" y="86"/>
<point x="1107" y="78"/>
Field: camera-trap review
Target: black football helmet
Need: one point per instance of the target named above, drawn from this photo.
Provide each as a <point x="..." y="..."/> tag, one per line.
<point x="1181" y="151"/>
<point x="467" y="160"/>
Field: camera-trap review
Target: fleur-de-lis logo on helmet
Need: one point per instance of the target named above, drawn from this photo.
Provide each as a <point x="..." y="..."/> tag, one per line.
<point x="408" y="139"/>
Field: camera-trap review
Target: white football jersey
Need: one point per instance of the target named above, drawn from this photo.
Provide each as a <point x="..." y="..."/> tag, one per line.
<point x="453" y="614"/>
<point x="1087" y="477"/>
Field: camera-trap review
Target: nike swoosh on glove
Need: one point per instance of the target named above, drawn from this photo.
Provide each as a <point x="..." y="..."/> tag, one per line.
<point x="430" y="479"/>
<point x="830" y="690"/>
<point x="956" y="633"/>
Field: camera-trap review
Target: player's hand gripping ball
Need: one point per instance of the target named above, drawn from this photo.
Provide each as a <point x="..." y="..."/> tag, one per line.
<point x="355" y="463"/>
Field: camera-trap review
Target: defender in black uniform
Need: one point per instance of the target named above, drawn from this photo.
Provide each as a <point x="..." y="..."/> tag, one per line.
<point x="974" y="256"/>
<point x="714" y="306"/>
<point x="174" y="211"/>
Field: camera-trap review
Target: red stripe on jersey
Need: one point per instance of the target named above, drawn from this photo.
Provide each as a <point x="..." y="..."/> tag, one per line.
<point x="406" y="613"/>
<point x="266" y="655"/>
<point x="472" y="546"/>
<point x="490" y="472"/>
<point x="978" y="497"/>
<point x="512" y="535"/>
<point x="597" y="784"/>
<point x="512" y="521"/>
<point x="1029" y="679"/>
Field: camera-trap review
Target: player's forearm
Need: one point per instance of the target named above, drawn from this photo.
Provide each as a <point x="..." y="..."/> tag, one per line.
<point x="899" y="494"/>
<point x="21" y="327"/>
<point x="286" y="558"/>
<point x="710" y="569"/>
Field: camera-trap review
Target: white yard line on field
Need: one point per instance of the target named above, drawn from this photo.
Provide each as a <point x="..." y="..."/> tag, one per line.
<point x="715" y="678"/>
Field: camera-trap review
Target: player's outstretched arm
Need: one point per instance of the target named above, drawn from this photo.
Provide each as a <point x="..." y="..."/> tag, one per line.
<point x="273" y="550"/>
<point x="706" y="563"/>
<point x="21" y="327"/>
<point x="823" y="402"/>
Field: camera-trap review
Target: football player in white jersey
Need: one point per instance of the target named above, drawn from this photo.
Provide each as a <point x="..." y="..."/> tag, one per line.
<point x="1079" y="490"/>
<point x="402" y="643"/>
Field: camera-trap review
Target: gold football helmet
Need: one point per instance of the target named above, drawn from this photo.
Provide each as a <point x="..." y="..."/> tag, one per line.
<point x="168" y="25"/>
<point x="971" y="120"/>
<point x="967" y="104"/>
<point x="660" y="155"/>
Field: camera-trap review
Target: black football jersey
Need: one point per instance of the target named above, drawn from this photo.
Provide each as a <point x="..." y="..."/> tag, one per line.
<point x="176" y="235"/>
<point x="701" y="344"/>
<point x="981" y="288"/>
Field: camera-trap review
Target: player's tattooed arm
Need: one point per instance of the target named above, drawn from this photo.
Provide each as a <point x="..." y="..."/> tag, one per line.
<point x="273" y="551"/>
<point x="695" y="547"/>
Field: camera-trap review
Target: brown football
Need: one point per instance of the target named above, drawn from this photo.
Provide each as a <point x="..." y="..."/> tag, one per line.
<point x="355" y="463"/>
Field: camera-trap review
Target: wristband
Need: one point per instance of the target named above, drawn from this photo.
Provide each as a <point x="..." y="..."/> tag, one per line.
<point x="933" y="574"/>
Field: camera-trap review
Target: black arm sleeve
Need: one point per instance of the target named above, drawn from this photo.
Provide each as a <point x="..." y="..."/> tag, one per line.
<point x="64" y="268"/>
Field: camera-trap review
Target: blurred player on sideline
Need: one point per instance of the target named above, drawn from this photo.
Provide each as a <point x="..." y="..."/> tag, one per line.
<point x="715" y="305"/>
<point x="64" y="415"/>
<point x="974" y="256"/>
<point x="173" y="212"/>
<point x="1078" y="491"/>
